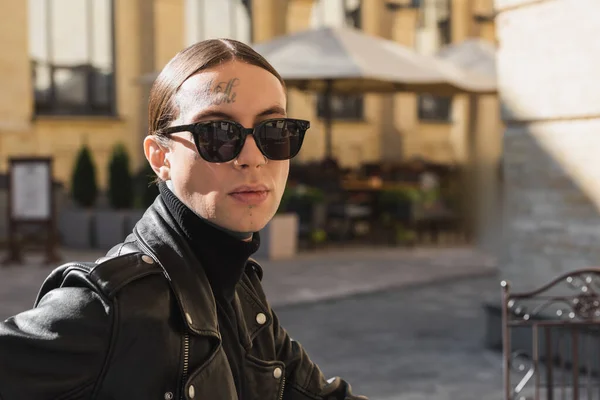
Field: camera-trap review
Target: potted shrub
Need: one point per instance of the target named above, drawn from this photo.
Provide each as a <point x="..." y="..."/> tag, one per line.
<point x="146" y="186"/>
<point x="111" y="224"/>
<point x="309" y="203"/>
<point x="146" y="191"/>
<point x="120" y="182"/>
<point x="76" y="222"/>
<point x="399" y="208"/>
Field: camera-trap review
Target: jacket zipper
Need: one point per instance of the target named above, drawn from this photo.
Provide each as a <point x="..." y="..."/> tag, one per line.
<point x="282" y="388"/>
<point x="186" y="363"/>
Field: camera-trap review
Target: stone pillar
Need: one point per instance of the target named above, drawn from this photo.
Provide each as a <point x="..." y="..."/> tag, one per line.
<point x="464" y="116"/>
<point x="300" y="104"/>
<point x="298" y="15"/>
<point x="461" y="23"/>
<point x="269" y="19"/>
<point x="405" y="114"/>
<point x="169" y="30"/>
<point x="485" y="149"/>
<point x="461" y="19"/>
<point x="16" y="96"/>
<point x="483" y="25"/>
<point x="144" y="11"/>
<point x="378" y="109"/>
<point x="550" y="95"/>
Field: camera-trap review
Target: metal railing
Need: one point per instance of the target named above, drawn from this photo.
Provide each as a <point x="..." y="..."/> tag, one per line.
<point x="551" y="339"/>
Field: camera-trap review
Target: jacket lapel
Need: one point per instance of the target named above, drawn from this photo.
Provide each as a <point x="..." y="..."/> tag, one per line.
<point x="159" y="236"/>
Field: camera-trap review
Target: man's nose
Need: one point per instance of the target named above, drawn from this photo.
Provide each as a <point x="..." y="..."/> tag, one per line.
<point x="251" y="156"/>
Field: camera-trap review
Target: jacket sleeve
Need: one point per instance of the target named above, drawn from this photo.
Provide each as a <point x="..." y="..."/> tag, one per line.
<point x="57" y="349"/>
<point x="304" y="378"/>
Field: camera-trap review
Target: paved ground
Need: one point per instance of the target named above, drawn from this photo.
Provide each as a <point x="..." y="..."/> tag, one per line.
<point x="309" y="277"/>
<point x="418" y="343"/>
<point x="398" y="324"/>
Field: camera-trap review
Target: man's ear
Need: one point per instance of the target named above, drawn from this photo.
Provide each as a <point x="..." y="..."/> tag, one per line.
<point x="156" y="154"/>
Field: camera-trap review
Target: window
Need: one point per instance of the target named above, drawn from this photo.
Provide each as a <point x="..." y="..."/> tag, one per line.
<point x="345" y="107"/>
<point x="209" y="19"/>
<point x="445" y="32"/>
<point x="71" y="47"/>
<point x="433" y="33"/>
<point x="395" y="5"/>
<point x="434" y="108"/>
<point x="342" y="107"/>
<point x="352" y="12"/>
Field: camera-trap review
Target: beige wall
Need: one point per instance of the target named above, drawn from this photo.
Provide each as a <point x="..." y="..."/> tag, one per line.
<point x="432" y="142"/>
<point x="15" y="96"/>
<point x="269" y="19"/>
<point x="23" y="134"/>
<point x="168" y="23"/>
<point x="550" y="90"/>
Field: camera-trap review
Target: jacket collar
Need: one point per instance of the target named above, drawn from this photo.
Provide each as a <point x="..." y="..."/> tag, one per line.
<point x="160" y="237"/>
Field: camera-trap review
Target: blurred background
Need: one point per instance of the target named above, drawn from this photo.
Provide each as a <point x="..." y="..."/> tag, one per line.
<point x="470" y="158"/>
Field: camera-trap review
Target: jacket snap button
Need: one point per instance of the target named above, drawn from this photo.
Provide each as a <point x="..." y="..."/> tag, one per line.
<point x="169" y="396"/>
<point x="191" y="392"/>
<point x="277" y="373"/>
<point x="261" y="318"/>
<point x="147" y="259"/>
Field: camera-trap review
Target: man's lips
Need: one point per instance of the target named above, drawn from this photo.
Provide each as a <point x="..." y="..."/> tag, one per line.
<point x="250" y="188"/>
<point x="250" y="195"/>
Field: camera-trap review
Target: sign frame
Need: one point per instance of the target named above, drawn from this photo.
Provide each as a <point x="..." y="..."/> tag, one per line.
<point x="46" y="219"/>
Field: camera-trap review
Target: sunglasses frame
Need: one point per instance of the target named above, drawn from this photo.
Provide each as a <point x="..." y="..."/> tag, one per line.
<point x="194" y="129"/>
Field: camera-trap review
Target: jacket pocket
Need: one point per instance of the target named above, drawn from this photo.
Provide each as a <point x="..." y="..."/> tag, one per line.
<point x="212" y="380"/>
<point x="264" y="379"/>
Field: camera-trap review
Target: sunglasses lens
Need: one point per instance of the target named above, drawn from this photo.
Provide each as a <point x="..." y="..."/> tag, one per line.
<point x="280" y="139"/>
<point x="218" y="141"/>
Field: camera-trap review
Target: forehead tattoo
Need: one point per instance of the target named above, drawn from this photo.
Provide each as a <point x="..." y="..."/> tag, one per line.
<point x="209" y="94"/>
<point x="224" y="91"/>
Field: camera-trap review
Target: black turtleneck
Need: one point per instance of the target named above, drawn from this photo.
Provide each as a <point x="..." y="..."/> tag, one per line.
<point x="223" y="258"/>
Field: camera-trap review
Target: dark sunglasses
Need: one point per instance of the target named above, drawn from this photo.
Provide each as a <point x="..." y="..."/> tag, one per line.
<point x="222" y="141"/>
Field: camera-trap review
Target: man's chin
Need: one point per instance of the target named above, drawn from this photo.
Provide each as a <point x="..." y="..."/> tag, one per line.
<point x="247" y="223"/>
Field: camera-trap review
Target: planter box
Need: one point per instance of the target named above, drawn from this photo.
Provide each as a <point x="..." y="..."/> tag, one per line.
<point x="113" y="226"/>
<point x="131" y="218"/>
<point x="95" y="229"/>
<point x="279" y="239"/>
<point x="110" y="228"/>
<point x="76" y="228"/>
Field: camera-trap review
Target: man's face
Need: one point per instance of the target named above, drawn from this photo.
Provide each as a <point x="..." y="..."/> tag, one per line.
<point x="225" y="193"/>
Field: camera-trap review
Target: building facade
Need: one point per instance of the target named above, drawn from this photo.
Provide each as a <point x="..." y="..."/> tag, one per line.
<point x="71" y="72"/>
<point x="67" y="71"/>
<point x="550" y="95"/>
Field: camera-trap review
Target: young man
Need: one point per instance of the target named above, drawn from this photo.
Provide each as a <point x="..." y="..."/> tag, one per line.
<point x="177" y="310"/>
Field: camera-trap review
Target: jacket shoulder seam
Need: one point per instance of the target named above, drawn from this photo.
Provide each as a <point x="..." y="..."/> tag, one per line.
<point x="112" y="274"/>
<point x="122" y="246"/>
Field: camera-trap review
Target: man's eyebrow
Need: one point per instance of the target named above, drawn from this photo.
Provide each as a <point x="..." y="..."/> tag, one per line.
<point x="272" y="110"/>
<point x="217" y="114"/>
<point x="211" y="114"/>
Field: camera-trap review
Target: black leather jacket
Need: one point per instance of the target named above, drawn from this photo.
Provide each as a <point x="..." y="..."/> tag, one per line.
<point x="141" y="323"/>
